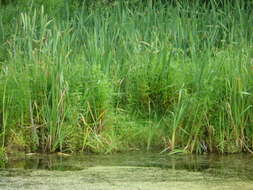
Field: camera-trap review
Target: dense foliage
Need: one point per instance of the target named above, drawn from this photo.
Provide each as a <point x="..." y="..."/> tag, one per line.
<point x="120" y="76"/>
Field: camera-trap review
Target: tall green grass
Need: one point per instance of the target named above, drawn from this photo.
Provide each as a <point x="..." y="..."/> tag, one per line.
<point x="118" y="77"/>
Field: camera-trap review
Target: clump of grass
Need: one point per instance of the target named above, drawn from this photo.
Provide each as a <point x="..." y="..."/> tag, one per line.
<point x="3" y="157"/>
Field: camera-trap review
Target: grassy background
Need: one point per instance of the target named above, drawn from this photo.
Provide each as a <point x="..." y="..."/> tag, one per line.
<point x="125" y="76"/>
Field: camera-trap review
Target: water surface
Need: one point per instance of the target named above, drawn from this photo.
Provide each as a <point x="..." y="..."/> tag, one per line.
<point x="134" y="171"/>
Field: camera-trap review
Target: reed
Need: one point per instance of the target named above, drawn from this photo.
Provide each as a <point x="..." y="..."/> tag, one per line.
<point x="123" y="76"/>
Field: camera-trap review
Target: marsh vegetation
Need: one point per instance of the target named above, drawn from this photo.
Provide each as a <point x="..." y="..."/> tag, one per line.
<point x="126" y="75"/>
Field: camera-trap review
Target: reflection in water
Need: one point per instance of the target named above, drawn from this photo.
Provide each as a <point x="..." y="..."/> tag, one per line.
<point x="135" y="171"/>
<point x="228" y="166"/>
<point x="44" y="162"/>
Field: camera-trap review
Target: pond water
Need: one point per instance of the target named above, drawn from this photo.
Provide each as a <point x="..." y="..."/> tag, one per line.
<point x="132" y="171"/>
